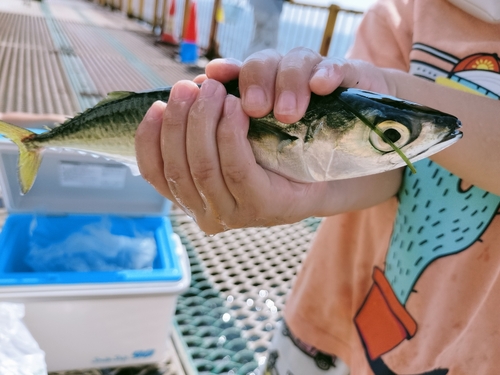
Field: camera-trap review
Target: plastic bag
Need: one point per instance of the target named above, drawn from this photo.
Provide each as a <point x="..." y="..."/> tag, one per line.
<point x="19" y="352"/>
<point x="89" y="247"/>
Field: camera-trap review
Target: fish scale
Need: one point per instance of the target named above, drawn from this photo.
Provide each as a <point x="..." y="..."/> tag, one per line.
<point x="117" y="119"/>
<point x="435" y="218"/>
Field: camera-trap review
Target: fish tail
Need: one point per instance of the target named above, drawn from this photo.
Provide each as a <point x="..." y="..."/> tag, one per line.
<point x="29" y="157"/>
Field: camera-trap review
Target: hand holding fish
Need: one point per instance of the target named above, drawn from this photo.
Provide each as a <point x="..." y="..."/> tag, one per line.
<point x="205" y="162"/>
<point x="283" y="84"/>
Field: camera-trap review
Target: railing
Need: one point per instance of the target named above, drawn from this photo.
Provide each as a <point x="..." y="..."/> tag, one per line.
<point x="225" y="27"/>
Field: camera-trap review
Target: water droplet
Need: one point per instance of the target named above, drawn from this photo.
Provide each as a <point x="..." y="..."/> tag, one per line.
<point x="263" y="293"/>
<point x="222" y="340"/>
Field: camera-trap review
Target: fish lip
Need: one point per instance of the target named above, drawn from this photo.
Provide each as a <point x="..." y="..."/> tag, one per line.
<point x="450" y="138"/>
<point x="455" y="134"/>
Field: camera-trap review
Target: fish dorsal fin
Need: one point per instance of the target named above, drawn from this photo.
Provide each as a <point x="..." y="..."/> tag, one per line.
<point x="111" y="97"/>
<point x="114" y="95"/>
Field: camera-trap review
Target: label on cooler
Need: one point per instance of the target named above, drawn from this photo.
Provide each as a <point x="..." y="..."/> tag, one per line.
<point x="138" y="354"/>
<point x="92" y="175"/>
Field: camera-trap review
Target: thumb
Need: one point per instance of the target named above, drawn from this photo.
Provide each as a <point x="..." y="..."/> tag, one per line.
<point x="148" y="150"/>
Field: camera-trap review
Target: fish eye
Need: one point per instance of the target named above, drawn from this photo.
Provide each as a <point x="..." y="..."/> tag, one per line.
<point x="397" y="133"/>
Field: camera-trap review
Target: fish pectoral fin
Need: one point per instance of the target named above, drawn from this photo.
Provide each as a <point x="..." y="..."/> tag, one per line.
<point x="260" y="128"/>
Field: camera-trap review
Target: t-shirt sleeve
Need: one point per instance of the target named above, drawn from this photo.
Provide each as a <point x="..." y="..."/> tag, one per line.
<point x="384" y="36"/>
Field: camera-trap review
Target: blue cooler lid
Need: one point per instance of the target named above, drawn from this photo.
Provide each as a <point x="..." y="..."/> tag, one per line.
<point x="14" y="246"/>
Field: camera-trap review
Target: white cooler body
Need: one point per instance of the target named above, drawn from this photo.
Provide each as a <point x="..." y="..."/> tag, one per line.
<point x="101" y="332"/>
<point x="82" y="326"/>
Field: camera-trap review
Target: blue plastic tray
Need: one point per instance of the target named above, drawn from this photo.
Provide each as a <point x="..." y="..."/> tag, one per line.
<point x="14" y="245"/>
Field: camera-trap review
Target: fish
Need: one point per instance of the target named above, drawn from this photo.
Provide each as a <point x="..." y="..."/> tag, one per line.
<point x="348" y="133"/>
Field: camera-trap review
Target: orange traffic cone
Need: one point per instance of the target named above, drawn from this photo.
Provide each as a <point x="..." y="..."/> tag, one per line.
<point x="189" y="48"/>
<point x="168" y="33"/>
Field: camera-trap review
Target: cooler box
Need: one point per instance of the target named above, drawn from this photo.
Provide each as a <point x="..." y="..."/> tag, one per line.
<point x="99" y="318"/>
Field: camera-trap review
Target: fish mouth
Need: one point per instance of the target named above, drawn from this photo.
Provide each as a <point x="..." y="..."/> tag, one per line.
<point x="456" y="134"/>
<point x="447" y="141"/>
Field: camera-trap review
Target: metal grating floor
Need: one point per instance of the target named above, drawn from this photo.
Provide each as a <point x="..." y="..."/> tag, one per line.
<point x="240" y="280"/>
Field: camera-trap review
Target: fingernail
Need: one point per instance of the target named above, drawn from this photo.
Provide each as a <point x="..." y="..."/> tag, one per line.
<point x="323" y="73"/>
<point x="208" y="88"/>
<point x="287" y="103"/>
<point x="155" y="112"/>
<point x="181" y="92"/>
<point x="232" y="61"/>
<point x="230" y="105"/>
<point x="255" y="97"/>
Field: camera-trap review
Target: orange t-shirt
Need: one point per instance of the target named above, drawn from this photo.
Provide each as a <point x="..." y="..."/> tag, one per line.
<point x="412" y="286"/>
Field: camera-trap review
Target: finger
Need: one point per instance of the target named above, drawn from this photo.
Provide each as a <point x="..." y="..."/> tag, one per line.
<point x="148" y="151"/>
<point x="292" y="84"/>
<point x="203" y="154"/>
<point x="223" y="70"/>
<point x="332" y="73"/>
<point x="173" y="146"/>
<point x="241" y="173"/>
<point x="200" y="78"/>
<point x="327" y="76"/>
<point x="256" y="82"/>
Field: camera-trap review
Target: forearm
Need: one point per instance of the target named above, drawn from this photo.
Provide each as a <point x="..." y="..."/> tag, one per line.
<point x="475" y="157"/>
<point x="357" y="193"/>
